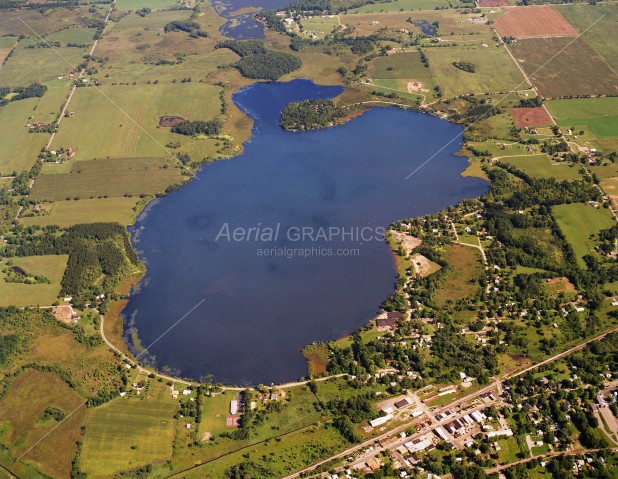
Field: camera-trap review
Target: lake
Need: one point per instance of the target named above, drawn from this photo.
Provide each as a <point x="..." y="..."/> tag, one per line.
<point x="251" y="238"/>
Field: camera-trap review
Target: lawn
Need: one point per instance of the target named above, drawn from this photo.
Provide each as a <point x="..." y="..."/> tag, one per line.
<point x="555" y="67"/>
<point x="127" y="433"/>
<point x="18" y="147"/>
<point x="579" y="222"/>
<point x="108" y="177"/>
<point x="21" y="294"/>
<point x="465" y="266"/>
<point x="123" y="121"/>
<point x="509" y="448"/>
<point x="495" y="70"/>
<point x="53" y="455"/>
<point x="540" y="166"/>
<point x="67" y="213"/>
<point x="601" y="36"/>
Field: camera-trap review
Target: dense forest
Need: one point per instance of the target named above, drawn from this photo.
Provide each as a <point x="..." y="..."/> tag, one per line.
<point x="193" y="128"/>
<point x="22" y="92"/>
<point x="259" y="63"/>
<point x="188" y="26"/>
<point x="310" y="115"/>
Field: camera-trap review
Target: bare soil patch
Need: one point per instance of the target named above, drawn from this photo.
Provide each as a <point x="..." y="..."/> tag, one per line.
<point x="63" y="313"/>
<point x="407" y="242"/>
<point x="533" y="22"/>
<point x="169" y="121"/>
<point x="416" y="87"/>
<point x="530" y="117"/>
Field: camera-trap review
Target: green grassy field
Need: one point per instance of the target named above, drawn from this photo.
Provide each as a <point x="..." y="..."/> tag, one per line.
<point x="596" y="117"/>
<point x="111" y="177"/>
<point x="126" y="433"/>
<point x="153" y="4"/>
<point x="21" y="294"/>
<point x="72" y="35"/>
<point x="508" y="450"/>
<point x="67" y="213"/>
<point x="495" y="71"/>
<point x="23" y="427"/>
<point x="465" y="265"/>
<point x="540" y="166"/>
<point x="123" y="121"/>
<point x="398" y="5"/>
<point x="563" y="75"/>
<point x="397" y="70"/>
<point x="320" y="26"/>
<point x="578" y="222"/>
<point x="18" y="147"/>
<point x="43" y="65"/>
<point x="601" y="35"/>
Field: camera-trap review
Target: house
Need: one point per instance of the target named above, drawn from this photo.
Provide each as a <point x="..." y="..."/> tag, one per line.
<point x="390" y="321"/>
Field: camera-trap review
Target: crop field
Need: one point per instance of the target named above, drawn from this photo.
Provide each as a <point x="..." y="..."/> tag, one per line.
<point x="46" y="21"/>
<point x="579" y="222"/>
<point x="43" y="294"/>
<point x="42" y="389"/>
<point x="460" y="281"/>
<point x="398" y="5"/>
<point x="28" y="65"/>
<point x="541" y="166"/>
<point x="597" y="118"/>
<point x="153" y="4"/>
<point x="18" y="147"/>
<point x="494" y="3"/>
<point x="397" y="71"/>
<point x="321" y="26"/>
<point x="533" y="22"/>
<point x="81" y="35"/>
<point x="495" y="70"/>
<point x="597" y="22"/>
<point x="530" y="117"/>
<point x="123" y="121"/>
<point x="108" y="177"/>
<point x="451" y="23"/>
<point x="67" y="213"/>
<point x="6" y="43"/>
<point x="127" y="433"/>
<point x="565" y="67"/>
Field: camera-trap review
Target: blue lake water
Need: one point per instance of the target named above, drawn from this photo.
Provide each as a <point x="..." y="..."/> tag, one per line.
<point x="259" y="311"/>
<point x="244" y="26"/>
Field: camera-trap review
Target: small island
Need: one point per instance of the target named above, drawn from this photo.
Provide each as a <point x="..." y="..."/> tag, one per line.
<point x="311" y="115"/>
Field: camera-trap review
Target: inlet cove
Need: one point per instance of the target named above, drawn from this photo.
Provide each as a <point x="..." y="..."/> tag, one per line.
<point x="284" y="245"/>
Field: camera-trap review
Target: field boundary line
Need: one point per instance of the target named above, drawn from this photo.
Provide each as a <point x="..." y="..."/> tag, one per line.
<point x="526" y="79"/>
<point x="167" y="151"/>
<point x="84" y="403"/>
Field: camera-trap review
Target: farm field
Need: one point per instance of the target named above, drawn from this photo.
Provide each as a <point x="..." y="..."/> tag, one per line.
<point x="82" y="35"/>
<point x="397" y="5"/>
<point x="28" y="65"/>
<point x="18" y="147"/>
<point x="127" y="433"/>
<point x="597" y="22"/>
<point x="43" y="294"/>
<point x="6" y="43"/>
<point x="320" y="26"/>
<point x="111" y="177"/>
<point x="67" y="213"/>
<point x="42" y="389"/>
<point x="398" y="70"/>
<point x="578" y="222"/>
<point x="153" y="4"/>
<point x="530" y="117"/>
<point x="564" y="75"/>
<point x="533" y="22"/>
<point x="540" y="166"/>
<point x="45" y="22"/>
<point x="495" y="71"/>
<point x="100" y="128"/>
<point x="596" y="117"/>
<point x="451" y="24"/>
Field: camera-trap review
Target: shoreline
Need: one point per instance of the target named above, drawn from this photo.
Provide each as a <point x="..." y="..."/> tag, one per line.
<point x="134" y="230"/>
